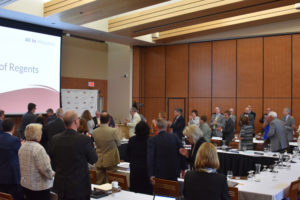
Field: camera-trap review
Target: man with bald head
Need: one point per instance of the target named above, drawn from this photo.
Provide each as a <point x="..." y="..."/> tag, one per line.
<point x="70" y="153"/>
<point x="247" y="113"/>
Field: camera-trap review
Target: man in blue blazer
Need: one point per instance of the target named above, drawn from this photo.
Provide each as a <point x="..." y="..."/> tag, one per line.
<point x="9" y="160"/>
<point x="164" y="160"/>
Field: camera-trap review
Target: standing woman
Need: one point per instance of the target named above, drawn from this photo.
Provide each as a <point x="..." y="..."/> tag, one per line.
<point x="195" y="137"/>
<point x="137" y="154"/>
<point x="36" y="172"/>
<point x="89" y="119"/>
<point x="246" y="134"/>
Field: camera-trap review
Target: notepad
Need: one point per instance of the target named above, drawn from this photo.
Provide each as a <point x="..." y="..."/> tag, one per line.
<point x="105" y="187"/>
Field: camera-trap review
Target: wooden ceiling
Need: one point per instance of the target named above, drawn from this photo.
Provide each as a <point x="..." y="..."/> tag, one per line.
<point x="175" y="21"/>
<point x="84" y="11"/>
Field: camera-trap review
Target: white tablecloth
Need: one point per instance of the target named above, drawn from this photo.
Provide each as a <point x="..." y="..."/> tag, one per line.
<point x="126" y="195"/>
<point x="268" y="189"/>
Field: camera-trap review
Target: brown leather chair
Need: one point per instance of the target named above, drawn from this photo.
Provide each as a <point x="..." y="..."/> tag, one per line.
<point x="5" y="196"/>
<point x="121" y="179"/>
<point x="233" y="193"/>
<point x="93" y="176"/>
<point x="216" y="142"/>
<point x="234" y="145"/>
<point x="294" y="188"/>
<point x="166" y="188"/>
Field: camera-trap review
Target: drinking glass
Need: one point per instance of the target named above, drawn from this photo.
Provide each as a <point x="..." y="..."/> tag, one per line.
<point x="229" y="174"/>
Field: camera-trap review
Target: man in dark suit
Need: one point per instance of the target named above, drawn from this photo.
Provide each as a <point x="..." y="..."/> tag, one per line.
<point x="9" y="160"/>
<point x="228" y="131"/>
<point x="251" y="111"/>
<point x="55" y="127"/>
<point x="50" y="116"/>
<point x="277" y="134"/>
<point x="70" y="153"/>
<point x="27" y="118"/>
<point x="2" y="116"/>
<point x="163" y="154"/>
<point x="178" y="123"/>
<point x="97" y="119"/>
<point x="249" y="115"/>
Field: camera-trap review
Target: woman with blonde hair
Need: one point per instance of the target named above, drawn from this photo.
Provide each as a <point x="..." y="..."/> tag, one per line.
<point x="36" y="172"/>
<point x="195" y="137"/>
<point x="198" y="183"/>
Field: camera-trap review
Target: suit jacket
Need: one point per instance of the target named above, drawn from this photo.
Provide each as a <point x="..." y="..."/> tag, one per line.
<point x="251" y="119"/>
<point x="0" y="126"/>
<point x="163" y="156"/>
<point x="9" y="160"/>
<point x="111" y="122"/>
<point x="289" y="123"/>
<point x="55" y="127"/>
<point x="253" y="113"/>
<point x="51" y="119"/>
<point x="203" y="185"/>
<point x="178" y="126"/>
<point x="27" y="118"/>
<point x="228" y="131"/>
<point x="107" y="141"/>
<point x="206" y="131"/>
<point x="70" y="153"/>
<point x="220" y="121"/>
<point x="194" y="150"/>
<point x="135" y="119"/>
<point x="277" y="135"/>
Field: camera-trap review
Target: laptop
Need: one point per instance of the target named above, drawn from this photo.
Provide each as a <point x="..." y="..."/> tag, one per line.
<point x="159" y="197"/>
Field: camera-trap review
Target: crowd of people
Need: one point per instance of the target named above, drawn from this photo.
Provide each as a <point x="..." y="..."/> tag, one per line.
<point x="53" y="154"/>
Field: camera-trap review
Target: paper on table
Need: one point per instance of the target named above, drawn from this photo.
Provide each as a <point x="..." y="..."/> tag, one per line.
<point x="105" y="187"/>
<point x="280" y="186"/>
<point x="124" y="165"/>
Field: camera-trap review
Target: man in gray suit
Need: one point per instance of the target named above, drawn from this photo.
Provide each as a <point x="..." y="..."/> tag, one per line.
<point x="248" y="114"/>
<point x="277" y="133"/>
<point x="289" y="123"/>
<point x="217" y="123"/>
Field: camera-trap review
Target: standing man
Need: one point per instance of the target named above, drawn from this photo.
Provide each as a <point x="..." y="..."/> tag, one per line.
<point x="289" y="123"/>
<point x="163" y="154"/>
<point x="107" y="141"/>
<point x="178" y="123"/>
<point x="205" y="128"/>
<point x="9" y="160"/>
<point x="228" y="131"/>
<point x="135" y="119"/>
<point x="50" y="116"/>
<point x="97" y="119"/>
<point x="251" y="111"/>
<point x="2" y="116"/>
<point x="277" y="134"/>
<point x="55" y="127"/>
<point x="217" y="122"/>
<point x="232" y="116"/>
<point x="27" y="118"/>
<point x="249" y="115"/>
<point x="70" y="153"/>
<point x="111" y="119"/>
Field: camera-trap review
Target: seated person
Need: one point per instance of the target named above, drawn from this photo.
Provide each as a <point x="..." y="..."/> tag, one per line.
<point x="195" y="137"/>
<point x="204" y="182"/>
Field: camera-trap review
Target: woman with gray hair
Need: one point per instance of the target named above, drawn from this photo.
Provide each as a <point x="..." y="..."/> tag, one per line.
<point x="195" y="136"/>
<point x="36" y="172"/>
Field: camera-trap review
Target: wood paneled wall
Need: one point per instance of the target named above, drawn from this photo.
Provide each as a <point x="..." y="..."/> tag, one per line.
<point x="262" y="71"/>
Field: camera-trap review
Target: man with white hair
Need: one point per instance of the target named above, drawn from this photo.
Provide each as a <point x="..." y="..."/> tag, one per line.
<point x="135" y="119"/>
<point x="277" y="133"/>
<point x="51" y="129"/>
<point x="217" y="122"/>
<point x="289" y="123"/>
